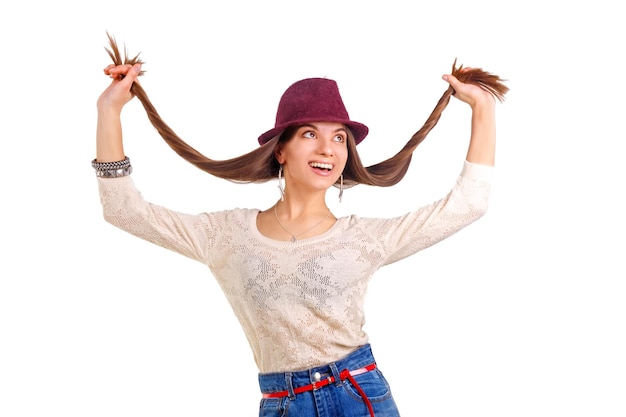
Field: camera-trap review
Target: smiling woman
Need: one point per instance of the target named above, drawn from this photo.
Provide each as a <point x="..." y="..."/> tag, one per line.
<point x="295" y="275"/>
<point x="313" y="158"/>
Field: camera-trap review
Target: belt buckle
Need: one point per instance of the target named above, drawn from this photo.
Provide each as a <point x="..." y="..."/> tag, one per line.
<point x="322" y="383"/>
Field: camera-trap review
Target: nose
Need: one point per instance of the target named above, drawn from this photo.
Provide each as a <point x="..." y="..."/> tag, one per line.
<point x="325" y="146"/>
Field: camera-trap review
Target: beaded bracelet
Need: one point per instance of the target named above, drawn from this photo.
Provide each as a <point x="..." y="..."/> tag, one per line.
<point x="112" y="169"/>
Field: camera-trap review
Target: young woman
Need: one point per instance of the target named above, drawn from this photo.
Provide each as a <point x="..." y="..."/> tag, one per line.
<point x="295" y="274"/>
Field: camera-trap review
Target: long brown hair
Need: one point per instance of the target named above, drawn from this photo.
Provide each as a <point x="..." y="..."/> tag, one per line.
<point x="260" y="165"/>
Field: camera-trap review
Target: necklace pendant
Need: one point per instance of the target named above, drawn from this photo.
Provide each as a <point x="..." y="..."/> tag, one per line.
<point x="293" y="239"/>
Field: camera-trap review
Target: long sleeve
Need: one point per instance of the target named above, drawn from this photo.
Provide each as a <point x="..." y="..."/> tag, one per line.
<point x="124" y="207"/>
<point x="464" y="204"/>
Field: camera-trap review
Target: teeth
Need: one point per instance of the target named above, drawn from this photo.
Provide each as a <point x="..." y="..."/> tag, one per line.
<point x="321" y="165"/>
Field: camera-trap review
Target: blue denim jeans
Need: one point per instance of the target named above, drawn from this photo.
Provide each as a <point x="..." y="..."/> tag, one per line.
<point x="339" y="399"/>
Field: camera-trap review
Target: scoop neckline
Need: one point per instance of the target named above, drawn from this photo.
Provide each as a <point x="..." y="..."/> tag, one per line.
<point x="260" y="236"/>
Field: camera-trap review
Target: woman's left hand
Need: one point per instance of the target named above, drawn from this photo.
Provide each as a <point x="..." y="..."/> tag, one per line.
<point x="470" y="93"/>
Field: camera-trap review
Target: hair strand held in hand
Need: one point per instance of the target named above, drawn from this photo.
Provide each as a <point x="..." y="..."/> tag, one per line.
<point x="260" y="165"/>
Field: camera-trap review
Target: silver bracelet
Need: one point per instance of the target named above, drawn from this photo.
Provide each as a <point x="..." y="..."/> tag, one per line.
<point x="112" y="169"/>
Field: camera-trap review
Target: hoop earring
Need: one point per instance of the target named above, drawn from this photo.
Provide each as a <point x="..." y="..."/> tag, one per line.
<point x="281" y="188"/>
<point x="340" y="187"/>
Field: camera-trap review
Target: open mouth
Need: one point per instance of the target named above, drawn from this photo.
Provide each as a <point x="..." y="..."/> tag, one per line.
<point x="321" y="166"/>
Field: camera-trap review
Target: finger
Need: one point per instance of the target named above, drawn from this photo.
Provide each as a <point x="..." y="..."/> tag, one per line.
<point x="131" y="74"/>
<point x="119" y="71"/>
<point x="108" y="68"/>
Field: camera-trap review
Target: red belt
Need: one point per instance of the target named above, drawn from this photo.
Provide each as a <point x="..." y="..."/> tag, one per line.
<point x="343" y="375"/>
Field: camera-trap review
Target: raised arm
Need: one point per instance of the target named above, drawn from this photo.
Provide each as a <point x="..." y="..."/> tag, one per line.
<point x="482" y="144"/>
<point x="109" y="144"/>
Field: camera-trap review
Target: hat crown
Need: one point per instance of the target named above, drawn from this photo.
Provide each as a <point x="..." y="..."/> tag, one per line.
<point x="311" y="99"/>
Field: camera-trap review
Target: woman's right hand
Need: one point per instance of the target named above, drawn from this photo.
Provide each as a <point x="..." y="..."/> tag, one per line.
<point x="109" y="145"/>
<point x="118" y="92"/>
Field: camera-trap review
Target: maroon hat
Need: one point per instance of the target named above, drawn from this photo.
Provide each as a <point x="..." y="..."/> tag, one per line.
<point x="312" y="100"/>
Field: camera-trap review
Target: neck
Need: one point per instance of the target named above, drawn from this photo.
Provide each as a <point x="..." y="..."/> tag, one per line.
<point x="294" y="208"/>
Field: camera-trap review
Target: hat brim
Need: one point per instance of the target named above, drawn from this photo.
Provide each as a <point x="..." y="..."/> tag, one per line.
<point x="359" y="130"/>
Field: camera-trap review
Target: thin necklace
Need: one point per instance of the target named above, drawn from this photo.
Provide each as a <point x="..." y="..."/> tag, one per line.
<point x="293" y="237"/>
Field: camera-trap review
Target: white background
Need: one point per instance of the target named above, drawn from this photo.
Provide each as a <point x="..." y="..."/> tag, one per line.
<point x="520" y="314"/>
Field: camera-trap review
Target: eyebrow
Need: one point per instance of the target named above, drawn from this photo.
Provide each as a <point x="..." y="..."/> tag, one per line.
<point x="313" y="126"/>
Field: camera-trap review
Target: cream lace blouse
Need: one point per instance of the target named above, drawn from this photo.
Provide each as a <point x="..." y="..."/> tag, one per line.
<point x="300" y="303"/>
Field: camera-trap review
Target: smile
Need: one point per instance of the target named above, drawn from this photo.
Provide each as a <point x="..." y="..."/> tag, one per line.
<point x="321" y="165"/>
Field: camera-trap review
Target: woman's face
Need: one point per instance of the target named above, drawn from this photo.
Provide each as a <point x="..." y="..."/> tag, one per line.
<point x="315" y="156"/>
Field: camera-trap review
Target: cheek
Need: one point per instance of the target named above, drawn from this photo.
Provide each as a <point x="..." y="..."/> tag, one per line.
<point x="342" y="155"/>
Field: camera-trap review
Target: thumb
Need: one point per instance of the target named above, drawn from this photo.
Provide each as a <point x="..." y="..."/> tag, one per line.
<point x="451" y="79"/>
<point x="131" y="76"/>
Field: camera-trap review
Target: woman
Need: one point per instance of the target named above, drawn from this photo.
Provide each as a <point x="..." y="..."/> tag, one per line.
<point x="296" y="275"/>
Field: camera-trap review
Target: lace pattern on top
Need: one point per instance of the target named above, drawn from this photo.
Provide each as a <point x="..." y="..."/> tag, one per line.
<point x="300" y="303"/>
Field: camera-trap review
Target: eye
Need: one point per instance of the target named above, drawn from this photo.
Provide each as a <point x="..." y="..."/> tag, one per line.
<point x="309" y="134"/>
<point x="339" y="139"/>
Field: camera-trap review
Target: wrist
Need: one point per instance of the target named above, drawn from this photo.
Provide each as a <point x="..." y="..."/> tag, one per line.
<point x="108" y="112"/>
<point x="113" y="169"/>
<point x="483" y="113"/>
<point x="484" y="104"/>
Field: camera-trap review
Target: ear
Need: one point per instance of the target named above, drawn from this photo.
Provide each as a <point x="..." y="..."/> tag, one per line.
<point x="278" y="154"/>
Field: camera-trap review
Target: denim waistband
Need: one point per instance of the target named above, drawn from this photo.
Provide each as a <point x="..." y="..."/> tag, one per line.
<point x="280" y="381"/>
